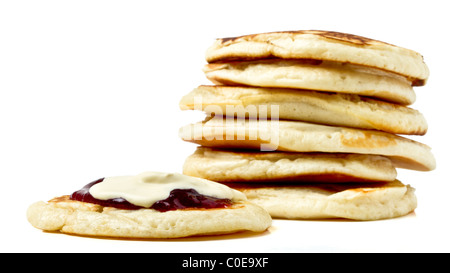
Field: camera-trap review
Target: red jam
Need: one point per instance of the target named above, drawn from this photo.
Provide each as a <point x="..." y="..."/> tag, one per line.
<point x="178" y="199"/>
<point x="189" y="198"/>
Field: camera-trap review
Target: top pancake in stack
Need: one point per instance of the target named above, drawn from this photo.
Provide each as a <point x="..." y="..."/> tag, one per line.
<point x="336" y="96"/>
<point x="320" y="45"/>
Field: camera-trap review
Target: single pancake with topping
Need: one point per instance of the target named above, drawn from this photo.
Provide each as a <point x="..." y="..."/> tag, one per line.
<point x="150" y="205"/>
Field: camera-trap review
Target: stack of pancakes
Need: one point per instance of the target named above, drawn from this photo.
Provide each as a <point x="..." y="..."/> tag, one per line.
<point x="307" y="123"/>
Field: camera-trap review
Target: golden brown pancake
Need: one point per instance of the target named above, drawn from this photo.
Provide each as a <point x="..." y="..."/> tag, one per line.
<point x="314" y="75"/>
<point x="356" y="201"/>
<point x="255" y="167"/>
<point x="322" y="45"/>
<point x="296" y="136"/>
<point x="304" y="105"/>
<point x="87" y="219"/>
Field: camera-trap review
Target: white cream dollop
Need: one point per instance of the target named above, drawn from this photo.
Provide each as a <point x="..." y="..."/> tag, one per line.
<point x="147" y="188"/>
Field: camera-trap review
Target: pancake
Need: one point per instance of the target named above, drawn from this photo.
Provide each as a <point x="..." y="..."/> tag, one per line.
<point x="373" y="201"/>
<point x="296" y="136"/>
<point x="150" y="205"/>
<point x="80" y="218"/>
<point x="305" y="105"/>
<point x="314" y="75"/>
<point x="253" y="167"/>
<point x="322" y="45"/>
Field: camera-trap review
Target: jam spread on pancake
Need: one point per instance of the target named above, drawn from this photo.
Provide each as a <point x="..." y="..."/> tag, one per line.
<point x="83" y="195"/>
<point x="189" y="198"/>
<point x="178" y="199"/>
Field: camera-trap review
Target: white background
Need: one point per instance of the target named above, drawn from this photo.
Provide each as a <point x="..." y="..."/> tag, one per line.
<point x="91" y="89"/>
